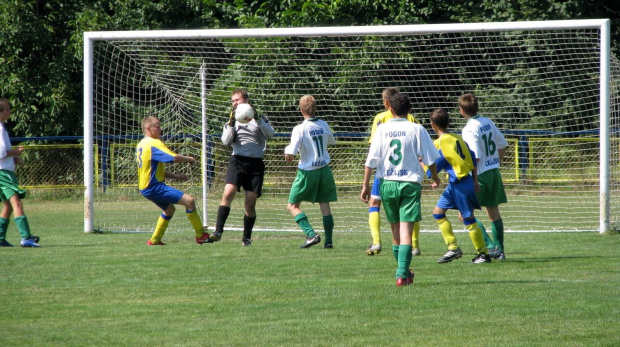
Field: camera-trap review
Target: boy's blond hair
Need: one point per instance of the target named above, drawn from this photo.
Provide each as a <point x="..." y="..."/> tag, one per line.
<point x="307" y="104"/>
<point x="148" y="121"/>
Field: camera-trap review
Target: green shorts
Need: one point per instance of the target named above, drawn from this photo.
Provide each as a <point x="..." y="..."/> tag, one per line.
<point x="491" y="189"/>
<point x="9" y="186"/>
<point x="401" y="201"/>
<point x="313" y="186"/>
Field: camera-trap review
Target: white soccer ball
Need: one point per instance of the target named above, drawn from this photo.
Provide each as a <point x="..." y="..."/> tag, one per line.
<point x="244" y="113"/>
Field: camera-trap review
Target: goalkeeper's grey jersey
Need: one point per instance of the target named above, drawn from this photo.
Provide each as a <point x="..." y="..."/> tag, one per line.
<point x="250" y="139"/>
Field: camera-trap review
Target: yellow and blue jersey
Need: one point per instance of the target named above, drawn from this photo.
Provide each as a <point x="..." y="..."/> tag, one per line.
<point x="456" y="157"/>
<point x="151" y="154"/>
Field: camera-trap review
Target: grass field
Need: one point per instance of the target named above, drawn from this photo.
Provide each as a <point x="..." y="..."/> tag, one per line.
<point x="555" y="289"/>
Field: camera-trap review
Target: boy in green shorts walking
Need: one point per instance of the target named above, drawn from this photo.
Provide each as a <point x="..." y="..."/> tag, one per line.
<point x="314" y="181"/>
<point x="395" y="153"/>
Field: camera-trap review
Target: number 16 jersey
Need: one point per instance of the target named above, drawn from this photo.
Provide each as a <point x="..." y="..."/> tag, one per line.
<point x="484" y="139"/>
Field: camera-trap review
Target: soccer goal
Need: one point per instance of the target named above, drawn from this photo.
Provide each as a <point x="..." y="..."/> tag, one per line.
<point x="552" y="87"/>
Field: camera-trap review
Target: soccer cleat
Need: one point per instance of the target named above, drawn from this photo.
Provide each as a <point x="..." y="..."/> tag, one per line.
<point x="203" y="239"/>
<point x="481" y="258"/>
<point x="374" y="249"/>
<point x="495" y="252"/>
<point x="246" y="243"/>
<point x="215" y="237"/>
<point x="450" y="256"/>
<point x="502" y="256"/>
<point x="149" y="243"/>
<point x="416" y="252"/>
<point x="405" y="281"/>
<point x="29" y="242"/>
<point x="5" y="243"/>
<point x="35" y="238"/>
<point x="328" y="246"/>
<point x="311" y="241"/>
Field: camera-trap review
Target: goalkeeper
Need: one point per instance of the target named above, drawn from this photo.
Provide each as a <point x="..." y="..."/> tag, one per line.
<point x="246" y="167"/>
<point x="151" y="154"/>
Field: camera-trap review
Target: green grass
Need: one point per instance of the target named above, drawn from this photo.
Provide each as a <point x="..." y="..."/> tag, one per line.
<point x="555" y="289"/>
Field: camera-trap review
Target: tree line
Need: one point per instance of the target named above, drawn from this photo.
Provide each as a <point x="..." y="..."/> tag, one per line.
<point x="41" y="41"/>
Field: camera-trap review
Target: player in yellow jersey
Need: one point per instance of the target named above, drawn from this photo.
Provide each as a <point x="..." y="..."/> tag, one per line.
<point x="460" y="163"/>
<point x="151" y="154"/>
<point x="374" y="204"/>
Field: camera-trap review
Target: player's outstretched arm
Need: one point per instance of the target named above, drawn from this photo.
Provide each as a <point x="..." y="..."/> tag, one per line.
<point x="178" y="177"/>
<point x="184" y="159"/>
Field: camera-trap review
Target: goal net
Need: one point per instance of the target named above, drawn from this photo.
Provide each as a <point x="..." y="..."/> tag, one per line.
<point x="540" y="82"/>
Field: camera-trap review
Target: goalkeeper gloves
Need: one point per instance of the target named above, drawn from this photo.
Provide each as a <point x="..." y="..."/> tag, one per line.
<point x="231" y="121"/>
<point x="257" y="116"/>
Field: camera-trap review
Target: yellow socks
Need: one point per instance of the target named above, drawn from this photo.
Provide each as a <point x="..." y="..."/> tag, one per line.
<point x="475" y="234"/>
<point x="446" y="231"/>
<point x="374" y="221"/>
<point x="194" y="219"/>
<point x="415" y="241"/>
<point x="160" y="228"/>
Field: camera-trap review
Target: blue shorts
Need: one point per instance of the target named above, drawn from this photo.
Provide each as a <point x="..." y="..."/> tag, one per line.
<point x="375" y="192"/>
<point x="460" y="196"/>
<point x="162" y="195"/>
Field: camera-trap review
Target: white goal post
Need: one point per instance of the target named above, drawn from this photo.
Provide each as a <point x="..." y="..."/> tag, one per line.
<point x="552" y="87"/>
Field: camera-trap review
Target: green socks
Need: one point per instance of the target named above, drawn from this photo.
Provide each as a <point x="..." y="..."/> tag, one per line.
<point x="404" y="260"/>
<point x="302" y="220"/>
<point x="4" y="225"/>
<point x="328" y="225"/>
<point x="497" y="228"/>
<point x="22" y="226"/>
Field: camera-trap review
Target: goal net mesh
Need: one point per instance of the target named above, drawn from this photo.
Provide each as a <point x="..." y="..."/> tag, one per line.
<point x="541" y="88"/>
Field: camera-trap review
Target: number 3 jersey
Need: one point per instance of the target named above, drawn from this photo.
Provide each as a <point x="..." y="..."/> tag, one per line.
<point x="397" y="148"/>
<point x="484" y="139"/>
<point x="310" y="139"/>
<point x="151" y="154"/>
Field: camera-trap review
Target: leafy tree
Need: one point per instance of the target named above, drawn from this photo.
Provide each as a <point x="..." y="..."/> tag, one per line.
<point x="41" y="57"/>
